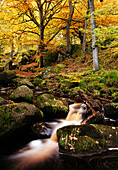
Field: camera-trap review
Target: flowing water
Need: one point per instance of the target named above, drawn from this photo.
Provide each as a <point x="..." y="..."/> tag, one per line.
<point x="43" y="154"/>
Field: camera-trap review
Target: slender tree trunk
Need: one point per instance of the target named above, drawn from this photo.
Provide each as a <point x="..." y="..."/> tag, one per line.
<point x="68" y="47"/>
<point x="41" y="43"/>
<point x="12" y="50"/>
<point x="94" y="38"/>
<point x="85" y="28"/>
<point x="41" y="50"/>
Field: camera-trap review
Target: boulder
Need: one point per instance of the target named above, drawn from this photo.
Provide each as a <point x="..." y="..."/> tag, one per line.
<point x="51" y="106"/>
<point x="26" y="82"/>
<point x="6" y="77"/>
<point x="86" y="139"/>
<point x="41" y="130"/>
<point x="22" y="93"/>
<point x="111" y="110"/>
<point x="17" y="116"/>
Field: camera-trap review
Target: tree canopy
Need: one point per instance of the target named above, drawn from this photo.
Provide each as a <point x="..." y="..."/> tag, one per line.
<point x="31" y="23"/>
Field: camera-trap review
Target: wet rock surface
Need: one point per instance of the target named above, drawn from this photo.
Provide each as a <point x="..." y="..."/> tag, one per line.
<point x="22" y="93"/>
<point x="87" y="139"/>
<point x="15" y="117"/>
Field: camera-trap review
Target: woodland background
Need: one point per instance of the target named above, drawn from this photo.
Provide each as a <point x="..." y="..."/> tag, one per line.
<point x="40" y="24"/>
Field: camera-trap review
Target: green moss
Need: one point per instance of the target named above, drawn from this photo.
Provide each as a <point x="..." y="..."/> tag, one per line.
<point x="6" y="121"/>
<point x="115" y="95"/>
<point x="12" y="96"/>
<point x="114" y="104"/>
<point x="29" y="98"/>
<point x="95" y="85"/>
<point x="110" y="78"/>
<point x="37" y="81"/>
<point x="87" y="138"/>
<point x="50" y="58"/>
<point x="72" y="139"/>
<point x="51" y="106"/>
<point x="2" y="100"/>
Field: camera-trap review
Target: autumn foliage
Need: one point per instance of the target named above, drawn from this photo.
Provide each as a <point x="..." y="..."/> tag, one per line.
<point x="27" y="24"/>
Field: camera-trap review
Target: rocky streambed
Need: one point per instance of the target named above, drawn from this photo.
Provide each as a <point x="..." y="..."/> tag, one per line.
<point x="24" y="107"/>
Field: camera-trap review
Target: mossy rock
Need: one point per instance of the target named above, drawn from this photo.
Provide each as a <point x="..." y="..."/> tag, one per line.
<point x="84" y="145"/>
<point x="50" y="58"/>
<point x="111" y="110"/>
<point x="6" y="77"/>
<point x="74" y="140"/>
<point x="26" y="82"/>
<point x="13" y="117"/>
<point x="51" y="106"/>
<point x="86" y="139"/>
<point x="22" y="93"/>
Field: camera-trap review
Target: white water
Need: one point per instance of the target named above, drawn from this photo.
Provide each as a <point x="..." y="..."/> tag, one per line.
<point x="39" y="151"/>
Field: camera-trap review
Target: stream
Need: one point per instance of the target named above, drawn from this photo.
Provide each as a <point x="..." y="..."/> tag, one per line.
<point x="107" y="160"/>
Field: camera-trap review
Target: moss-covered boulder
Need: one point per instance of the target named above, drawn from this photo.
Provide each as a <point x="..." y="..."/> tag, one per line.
<point x="86" y="139"/>
<point x="17" y="116"/>
<point x="50" y="58"/>
<point x="26" y="82"/>
<point x="111" y="110"/>
<point x="22" y="93"/>
<point x="51" y="106"/>
<point x="6" y="77"/>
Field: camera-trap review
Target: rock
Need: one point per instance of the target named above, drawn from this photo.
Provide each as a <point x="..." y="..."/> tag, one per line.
<point x="26" y="82"/>
<point x="80" y="139"/>
<point x="41" y="130"/>
<point x="86" y="139"/>
<point x="51" y="106"/>
<point x="6" y="77"/>
<point x="47" y="72"/>
<point x="17" y="116"/>
<point x="22" y="93"/>
<point x="97" y="118"/>
<point x="111" y="110"/>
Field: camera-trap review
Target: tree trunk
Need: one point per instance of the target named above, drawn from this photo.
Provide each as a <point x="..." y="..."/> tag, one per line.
<point x="94" y="38"/>
<point x="12" y="50"/>
<point x="68" y="47"/>
<point x="41" y="50"/>
<point x="41" y="43"/>
<point x="85" y="27"/>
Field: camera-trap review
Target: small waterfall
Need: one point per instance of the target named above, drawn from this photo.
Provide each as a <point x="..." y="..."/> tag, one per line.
<point x="38" y="152"/>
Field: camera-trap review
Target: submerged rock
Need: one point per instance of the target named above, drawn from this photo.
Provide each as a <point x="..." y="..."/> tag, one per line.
<point x="22" y="93"/>
<point x="86" y="139"/>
